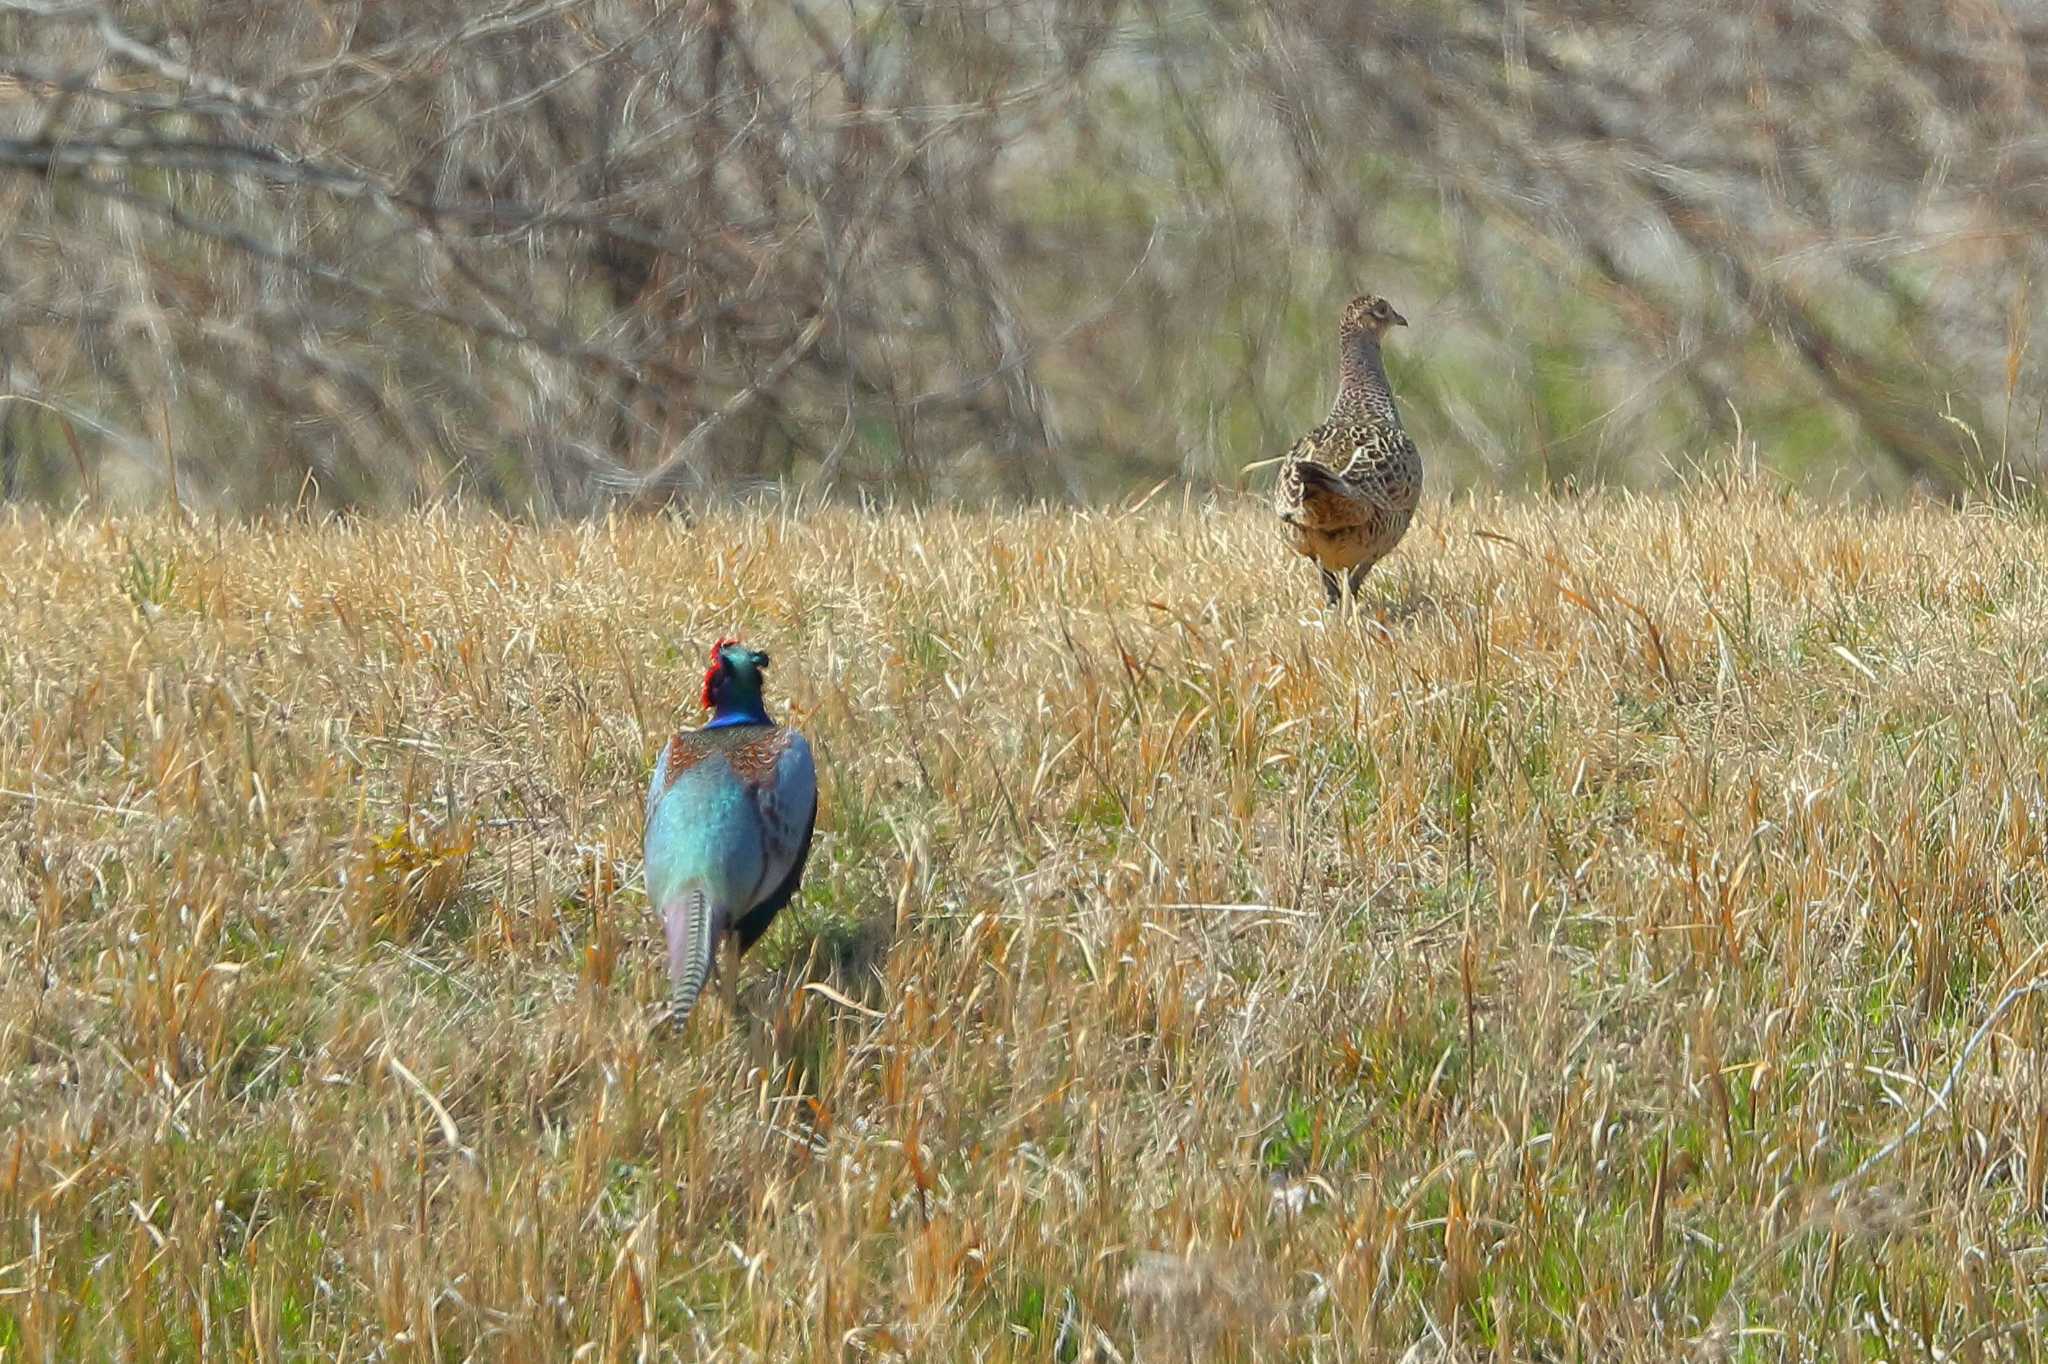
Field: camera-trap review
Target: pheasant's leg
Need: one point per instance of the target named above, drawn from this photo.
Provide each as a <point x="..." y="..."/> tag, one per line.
<point x="750" y="1035"/>
<point x="1332" y="593"/>
<point x="1357" y="581"/>
<point x="1378" y="612"/>
<point x="728" y="969"/>
<point x="1345" y="594"/>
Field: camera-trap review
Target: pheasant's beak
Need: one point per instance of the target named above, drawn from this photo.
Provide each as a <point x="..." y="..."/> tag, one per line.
<point x="1398" y="320"/>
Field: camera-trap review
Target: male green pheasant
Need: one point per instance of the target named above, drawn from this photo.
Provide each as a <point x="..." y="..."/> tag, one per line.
<point x="729" y="817"/>
<point x="1348" y="489"/>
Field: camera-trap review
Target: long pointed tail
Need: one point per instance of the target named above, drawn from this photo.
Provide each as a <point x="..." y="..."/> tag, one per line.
<point x="693" y="925"/>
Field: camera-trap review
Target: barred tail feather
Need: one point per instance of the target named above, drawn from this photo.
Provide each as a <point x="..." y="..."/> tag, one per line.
<point x="1324" y="502"/>
<point x="1318" y="477"/>
<point x="692" y="924"/>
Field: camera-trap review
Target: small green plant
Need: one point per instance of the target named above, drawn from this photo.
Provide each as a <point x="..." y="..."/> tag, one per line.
<point x="407" y="881"/>
<point x="147" y="580"/>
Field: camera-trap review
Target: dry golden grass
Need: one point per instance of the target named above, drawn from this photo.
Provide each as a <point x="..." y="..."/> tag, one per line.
<point x="1178" y="976"/>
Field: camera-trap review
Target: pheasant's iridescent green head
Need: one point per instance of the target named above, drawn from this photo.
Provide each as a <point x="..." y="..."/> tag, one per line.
<point x="732" y="684"/>
<point x="1369" y="315"/>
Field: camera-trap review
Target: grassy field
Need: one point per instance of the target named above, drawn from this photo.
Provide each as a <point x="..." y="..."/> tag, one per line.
<point x="1618" y="949"/>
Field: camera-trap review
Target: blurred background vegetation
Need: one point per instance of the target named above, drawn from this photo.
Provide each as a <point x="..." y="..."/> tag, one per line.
<point x="555" y="255"/>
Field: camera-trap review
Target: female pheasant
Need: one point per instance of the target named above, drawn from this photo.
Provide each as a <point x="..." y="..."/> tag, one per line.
<point x="1348" y="489"/>
<point x="729" y="817"/>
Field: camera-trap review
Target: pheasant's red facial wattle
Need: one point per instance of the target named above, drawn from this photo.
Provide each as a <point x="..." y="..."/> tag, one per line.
<point x="717" y="668"/>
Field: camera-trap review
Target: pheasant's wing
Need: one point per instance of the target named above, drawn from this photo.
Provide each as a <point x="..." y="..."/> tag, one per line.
<point x="788" y="803"/>
<point x="1381" y="468"/>
<point x="755" y="922"/>
<point x="783" y="779"/>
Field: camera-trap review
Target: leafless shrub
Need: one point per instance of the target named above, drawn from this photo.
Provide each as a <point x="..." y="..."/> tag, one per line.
<point x="557" y="253"/>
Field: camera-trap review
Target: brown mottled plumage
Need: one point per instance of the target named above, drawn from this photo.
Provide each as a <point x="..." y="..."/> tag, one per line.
<point x="1348" y="489"/>
<point x="751" y="753"/>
